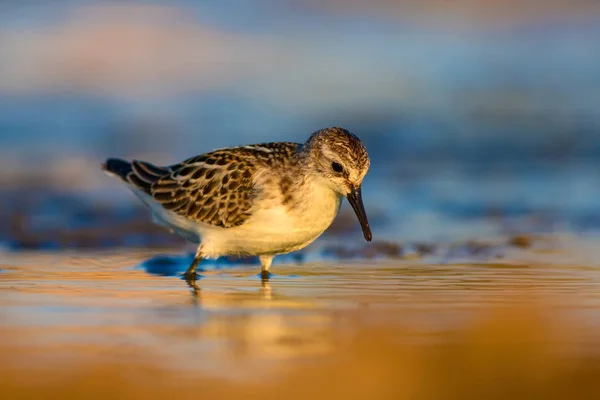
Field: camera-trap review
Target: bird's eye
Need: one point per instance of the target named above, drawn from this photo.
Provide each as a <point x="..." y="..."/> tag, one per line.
<point x="337" y="167"/>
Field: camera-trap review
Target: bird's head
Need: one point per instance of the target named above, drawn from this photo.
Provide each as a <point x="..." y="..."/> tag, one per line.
<point x="341" y="160"/>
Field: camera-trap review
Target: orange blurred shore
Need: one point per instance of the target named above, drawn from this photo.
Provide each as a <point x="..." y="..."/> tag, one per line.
<point x="502" y="356"/>
<point x="93" y="326"/>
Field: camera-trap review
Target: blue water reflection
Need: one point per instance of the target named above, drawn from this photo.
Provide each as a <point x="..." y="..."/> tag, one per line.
<point x="475" y="129"/>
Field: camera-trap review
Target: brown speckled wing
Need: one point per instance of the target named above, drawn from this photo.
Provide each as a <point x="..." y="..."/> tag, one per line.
<point x="218" y="188"/>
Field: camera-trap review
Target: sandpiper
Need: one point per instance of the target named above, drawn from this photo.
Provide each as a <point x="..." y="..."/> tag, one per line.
<point x="256" y="200"/>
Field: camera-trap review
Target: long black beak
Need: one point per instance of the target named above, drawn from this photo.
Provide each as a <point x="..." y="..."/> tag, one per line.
<point x="355" y="200"/>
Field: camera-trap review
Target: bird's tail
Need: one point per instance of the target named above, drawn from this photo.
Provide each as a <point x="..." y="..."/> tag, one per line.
<point x="117" y="167"/>
<point x="139" y="174"/>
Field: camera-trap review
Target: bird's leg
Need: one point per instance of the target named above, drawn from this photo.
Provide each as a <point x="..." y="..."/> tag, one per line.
<point x="265" y="262"/>
<point x="190" y="274"/>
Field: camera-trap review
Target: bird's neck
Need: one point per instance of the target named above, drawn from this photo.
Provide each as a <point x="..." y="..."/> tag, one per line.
<point x="310" y="192"/>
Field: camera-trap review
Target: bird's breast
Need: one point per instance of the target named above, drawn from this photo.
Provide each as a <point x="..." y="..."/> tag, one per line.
<point x="304" y="218"/>
<point x="277" y="227"/>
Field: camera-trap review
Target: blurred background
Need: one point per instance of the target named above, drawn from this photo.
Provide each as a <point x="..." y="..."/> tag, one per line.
<point x="481" y="117"/>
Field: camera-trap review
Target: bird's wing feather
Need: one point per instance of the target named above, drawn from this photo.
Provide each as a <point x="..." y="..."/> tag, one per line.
<point x="143" y="174"/>
<point x="218" y="188"/>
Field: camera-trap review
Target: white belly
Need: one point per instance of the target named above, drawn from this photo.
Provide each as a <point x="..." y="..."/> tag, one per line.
<point x="275" y="229"/>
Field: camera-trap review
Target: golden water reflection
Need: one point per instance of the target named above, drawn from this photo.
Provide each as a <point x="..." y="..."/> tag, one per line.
<point x="95" y="325"/>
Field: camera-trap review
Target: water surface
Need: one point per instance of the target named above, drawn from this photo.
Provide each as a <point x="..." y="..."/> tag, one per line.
<point x="83" y="317"/>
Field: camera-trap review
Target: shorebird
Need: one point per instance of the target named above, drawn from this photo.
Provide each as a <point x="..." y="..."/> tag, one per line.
<point x="256" y="200"/>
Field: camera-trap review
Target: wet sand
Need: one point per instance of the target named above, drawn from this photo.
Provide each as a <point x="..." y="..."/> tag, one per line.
<point x="96" y="325"/>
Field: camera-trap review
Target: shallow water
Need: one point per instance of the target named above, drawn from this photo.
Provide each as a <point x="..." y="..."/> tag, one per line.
<point x="78" y="317"/>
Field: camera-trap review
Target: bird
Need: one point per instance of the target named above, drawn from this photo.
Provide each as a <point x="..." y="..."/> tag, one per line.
<point x="255" y="200"/>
